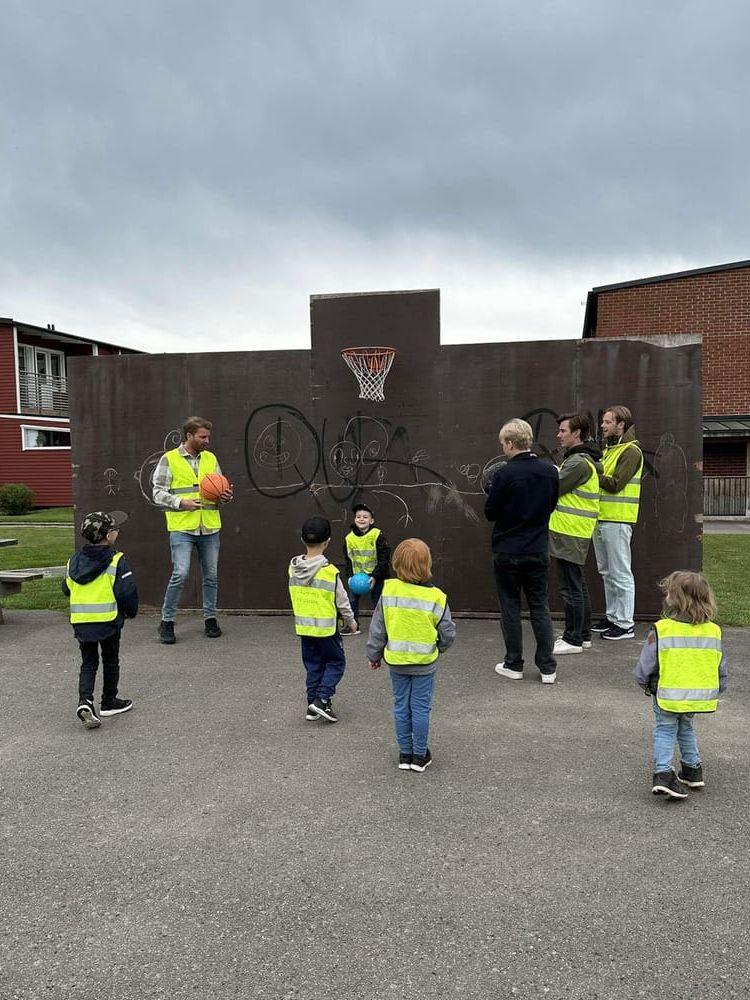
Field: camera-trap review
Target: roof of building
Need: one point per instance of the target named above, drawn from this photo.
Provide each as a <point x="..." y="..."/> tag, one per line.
<point x="53" y="334"/>
<point x="726" y="427"/>
<point x="589" y="319"/>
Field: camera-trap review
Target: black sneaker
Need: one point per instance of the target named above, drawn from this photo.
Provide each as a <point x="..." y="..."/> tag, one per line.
<point x="324" y="709"/>
<point x="666" y="783"/>
<point x="355" y="632"/>
<point x="311" y="715"/>
<point x="212" y="629"/>
<point x="614" y="632"/>
<point x="692" y="776"/>
<point x="602" y="625"/>
<point x="87" y="713"/>
<point x="421" y="763"/>
<point x="166" y="633"/>
<point x="404" y="761"/>
<point x="116" y="706"/>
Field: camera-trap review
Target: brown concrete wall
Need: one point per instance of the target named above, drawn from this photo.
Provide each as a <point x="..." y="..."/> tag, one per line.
<point x="295" y="438"/>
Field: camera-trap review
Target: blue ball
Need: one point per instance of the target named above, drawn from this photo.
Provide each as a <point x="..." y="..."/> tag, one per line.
<point x="359" y="583"/>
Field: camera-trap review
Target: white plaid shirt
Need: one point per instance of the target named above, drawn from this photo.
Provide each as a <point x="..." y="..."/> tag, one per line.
<point x="162" y="480"/>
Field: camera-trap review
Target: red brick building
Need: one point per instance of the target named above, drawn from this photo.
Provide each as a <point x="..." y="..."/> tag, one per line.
<point x="715" y="303"/>
<point x="34" y="414"/>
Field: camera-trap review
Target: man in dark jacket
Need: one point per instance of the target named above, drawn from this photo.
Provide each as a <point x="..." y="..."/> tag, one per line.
<point x="102" y="592"/>
<point x="521" y="498"/>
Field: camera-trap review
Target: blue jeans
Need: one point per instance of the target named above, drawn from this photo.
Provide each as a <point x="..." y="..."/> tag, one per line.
<point x="412" y="702"/>
<point x="324" y="660"/>
<point x="354" y="599"/>
<point x="612" y="548"/>
<point x="671" y="728"/>
<point x="181" y="544"/>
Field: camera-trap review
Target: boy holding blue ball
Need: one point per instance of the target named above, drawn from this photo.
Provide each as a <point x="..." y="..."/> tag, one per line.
<point x="366" y="551"/>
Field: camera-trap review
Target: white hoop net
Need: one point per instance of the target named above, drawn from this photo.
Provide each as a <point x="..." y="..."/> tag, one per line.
<point x="370" y="366"/>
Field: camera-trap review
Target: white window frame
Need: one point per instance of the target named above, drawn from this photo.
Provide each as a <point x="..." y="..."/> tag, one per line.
<point x="40" y="427"/>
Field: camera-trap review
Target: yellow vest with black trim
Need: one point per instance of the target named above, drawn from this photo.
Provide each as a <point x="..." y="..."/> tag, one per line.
<point x="362" y="550"/>
<point x="185" y="485"/>
<point x="622" y="506"/>
<point x="412" y="614"/>
<point x="689" y="658"/>
<point x="576" y="511"/>
<point x="94" y="601"/>
<point x="314" y="604"/>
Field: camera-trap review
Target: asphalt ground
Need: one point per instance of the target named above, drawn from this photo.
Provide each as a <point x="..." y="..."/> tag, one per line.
<point x="211" y="843"/>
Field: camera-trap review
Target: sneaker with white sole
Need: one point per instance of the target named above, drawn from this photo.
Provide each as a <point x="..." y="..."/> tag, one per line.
<point x="311" y="715"/>
<point x="691" y="775"/>
<point x="549" y="678"/>
<point x="324" y="709"/>
<point x="561" y="648"/>
<point x="666" y="783"/>
<point x="115" y="706"/>
<point x="404" y="761"/>
<point x="587" y="644"/>
<point x="514" y="675"/>
<point x="87" y="713"/>
<point x="615" y="632"/>
<point x="602" y="625"/>
<point x="421" y="763"/>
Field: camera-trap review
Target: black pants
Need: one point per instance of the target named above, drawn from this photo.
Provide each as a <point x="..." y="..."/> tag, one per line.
<point x="575" y="595"/>
<point x="110" y="667"/>
<point x="515" y="575"/>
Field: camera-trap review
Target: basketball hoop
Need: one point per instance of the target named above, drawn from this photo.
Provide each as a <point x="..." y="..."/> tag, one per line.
<point x="370" y="366"/>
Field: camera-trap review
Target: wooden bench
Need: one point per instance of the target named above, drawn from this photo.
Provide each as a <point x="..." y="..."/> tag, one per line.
<point x="11" y="581"/>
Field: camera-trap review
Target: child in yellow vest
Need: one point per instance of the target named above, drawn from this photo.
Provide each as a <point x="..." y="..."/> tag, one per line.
<point x="318" y="599"/>
<point x="410" y="627"/>
<point x="366" y="551"/>
<point x="682" y="666"/>
<point x="102" y="595"/>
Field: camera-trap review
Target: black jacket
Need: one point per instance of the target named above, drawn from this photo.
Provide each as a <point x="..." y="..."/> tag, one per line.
<point x="85" y="565"/>
<point x="522" y="496"/>
<point x="382" y="554"/>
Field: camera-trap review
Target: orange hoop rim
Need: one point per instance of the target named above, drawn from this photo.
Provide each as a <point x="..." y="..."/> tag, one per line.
<point x="380" y="355"/>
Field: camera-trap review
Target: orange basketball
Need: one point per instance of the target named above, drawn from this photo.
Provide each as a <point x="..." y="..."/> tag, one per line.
<point x="213" y="485"/>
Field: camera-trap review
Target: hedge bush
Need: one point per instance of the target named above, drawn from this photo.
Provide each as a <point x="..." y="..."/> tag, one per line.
<point x="15" y="498"/>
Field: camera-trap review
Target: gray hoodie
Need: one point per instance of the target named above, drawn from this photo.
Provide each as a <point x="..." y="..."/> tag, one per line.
<point x="304" y="568"/>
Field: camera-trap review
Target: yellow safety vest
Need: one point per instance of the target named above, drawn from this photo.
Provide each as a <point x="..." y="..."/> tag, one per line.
<point x="185" y="485"/>
<point x="314" y="603"/>
<point x="576" y="511"/>
<point x="362" y="550"/>
<point x="412" y="615"/>
<point x="94" y="601"/>
<point x="622" y="506"/>
<point x="689" y="658"/>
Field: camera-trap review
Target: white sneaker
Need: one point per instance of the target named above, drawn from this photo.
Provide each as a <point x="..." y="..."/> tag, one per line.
<point x="562" y="647"/>
<point x="587" y="643"/>
<point x="549" y="678"/>
<point x="514" y="675"/>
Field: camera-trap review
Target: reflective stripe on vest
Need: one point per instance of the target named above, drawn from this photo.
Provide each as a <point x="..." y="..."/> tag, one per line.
<point x="94" y="601"/>
<point x="689" y="658"/>
<point x="362" y="550"/>
<point x="185" y="485"/>
<point x="622" y="506"/>
<point x="576" y="511"/>
<point x="412" y="614"/>
<point x="314" y="603"/>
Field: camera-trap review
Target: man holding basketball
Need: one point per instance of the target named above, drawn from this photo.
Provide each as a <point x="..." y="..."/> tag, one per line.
<point x="193" y="523"/>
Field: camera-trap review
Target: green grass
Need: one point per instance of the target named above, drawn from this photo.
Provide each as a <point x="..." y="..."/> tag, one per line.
<point x="726" y="559"/>
<point x="36" y="547"/>
<point x="39" y="595"/>
<point x="60" y="515"/>
<point x="726" y="562"/>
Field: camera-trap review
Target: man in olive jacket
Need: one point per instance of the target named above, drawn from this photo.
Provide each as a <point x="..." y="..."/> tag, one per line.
<point x="571" y="526"/>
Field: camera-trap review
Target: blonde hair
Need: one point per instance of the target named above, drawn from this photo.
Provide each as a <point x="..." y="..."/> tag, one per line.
<point x="518" y="433"/>
<point x="412" y="561"/>
<point x="689" y="594"/>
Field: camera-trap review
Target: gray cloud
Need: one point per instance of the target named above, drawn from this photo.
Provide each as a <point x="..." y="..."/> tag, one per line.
<point x="156" y="155"/>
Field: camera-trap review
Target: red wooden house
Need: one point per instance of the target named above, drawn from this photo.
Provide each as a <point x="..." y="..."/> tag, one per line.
<point x="34" y="414"/>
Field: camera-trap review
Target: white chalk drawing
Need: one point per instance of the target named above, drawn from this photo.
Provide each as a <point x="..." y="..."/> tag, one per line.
<point x="144" y="474"/>
<point x="671" y="485"/>
<point x="110" y="482"/>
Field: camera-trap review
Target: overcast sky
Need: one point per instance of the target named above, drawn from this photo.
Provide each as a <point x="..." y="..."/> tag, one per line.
<point x="177" y="175"/>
